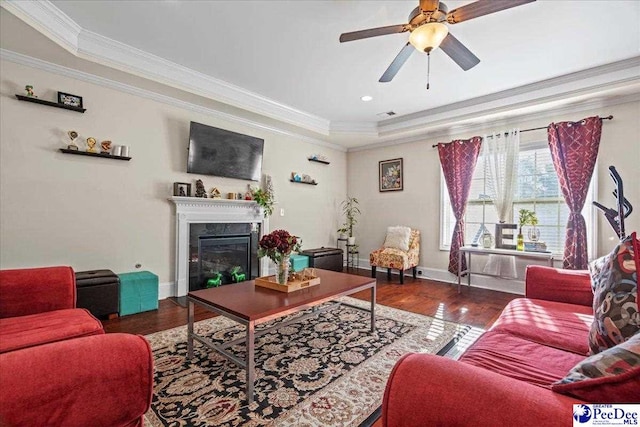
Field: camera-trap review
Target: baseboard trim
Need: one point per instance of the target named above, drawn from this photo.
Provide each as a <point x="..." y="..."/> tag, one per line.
<point x="512" y="286"/>
<point x="166" y="290"/>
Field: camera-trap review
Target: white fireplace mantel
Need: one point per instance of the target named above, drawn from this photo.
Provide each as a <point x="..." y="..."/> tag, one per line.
<point x="200" y="210"/>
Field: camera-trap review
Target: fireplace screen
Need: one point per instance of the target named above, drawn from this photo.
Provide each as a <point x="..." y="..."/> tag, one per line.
<point x="221" y="259"/>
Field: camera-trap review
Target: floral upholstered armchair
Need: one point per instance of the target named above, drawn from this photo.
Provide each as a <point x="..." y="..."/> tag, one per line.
<point x="401" y="251"/>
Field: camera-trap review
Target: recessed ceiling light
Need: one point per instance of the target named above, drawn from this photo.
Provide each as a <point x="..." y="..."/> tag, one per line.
<point x="367" y="98"/>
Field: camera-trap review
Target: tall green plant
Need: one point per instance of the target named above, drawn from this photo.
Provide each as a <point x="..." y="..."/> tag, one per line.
<point x="351" y="211"/>
<point x="263" y="198"/>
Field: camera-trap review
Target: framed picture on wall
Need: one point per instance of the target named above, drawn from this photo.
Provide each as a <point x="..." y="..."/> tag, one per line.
<point x="390" y="175"/>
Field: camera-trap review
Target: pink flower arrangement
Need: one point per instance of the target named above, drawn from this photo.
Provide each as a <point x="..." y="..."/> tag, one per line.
<point x="278" y="244"/>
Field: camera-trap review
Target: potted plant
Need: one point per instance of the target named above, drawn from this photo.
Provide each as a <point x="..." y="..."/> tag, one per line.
<point x="342" y="232"/>
<point x="264" y="199"/>
<point x="525" y="217"/>
<point x="351" y="212"/>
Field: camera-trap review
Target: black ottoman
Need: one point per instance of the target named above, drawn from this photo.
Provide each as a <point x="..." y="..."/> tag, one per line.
<point x="325" y="258"/>
<point x="99" y="292"/>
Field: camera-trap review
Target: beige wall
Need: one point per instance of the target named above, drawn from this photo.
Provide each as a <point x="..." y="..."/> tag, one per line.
<point x="95" y="213"/>
<point x="418" y="205"/>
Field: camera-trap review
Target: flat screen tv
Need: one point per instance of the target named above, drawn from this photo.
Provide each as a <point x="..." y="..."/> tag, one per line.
<point x="220" y="152"/>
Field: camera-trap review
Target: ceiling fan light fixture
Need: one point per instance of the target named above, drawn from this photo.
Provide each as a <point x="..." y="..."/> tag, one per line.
<point x="427" y="37"/>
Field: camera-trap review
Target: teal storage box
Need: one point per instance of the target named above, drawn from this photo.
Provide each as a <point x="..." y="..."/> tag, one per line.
<point x="138" y="292"/>
<point x="299" y="262"/>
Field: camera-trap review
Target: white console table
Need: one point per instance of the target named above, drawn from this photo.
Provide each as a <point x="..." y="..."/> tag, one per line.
<point x="468" y="250"/>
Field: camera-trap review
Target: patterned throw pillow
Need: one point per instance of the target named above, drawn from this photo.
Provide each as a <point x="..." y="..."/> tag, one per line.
<point x="612" y="376"/>
<point x="614" y="280"/>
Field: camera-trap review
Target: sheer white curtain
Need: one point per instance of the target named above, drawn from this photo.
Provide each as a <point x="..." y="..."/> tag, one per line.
<point x="500" y="152"/>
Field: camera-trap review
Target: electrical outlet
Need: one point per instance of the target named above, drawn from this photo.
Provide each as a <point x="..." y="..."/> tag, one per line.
<point x="281" y="211"/>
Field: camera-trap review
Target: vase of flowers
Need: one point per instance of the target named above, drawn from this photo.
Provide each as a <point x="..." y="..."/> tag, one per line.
<point x="278" y="246"/>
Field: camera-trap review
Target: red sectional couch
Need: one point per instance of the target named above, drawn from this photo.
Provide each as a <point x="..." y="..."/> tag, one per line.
<point x="505" y="377"/>
<point x="57" y="366"/>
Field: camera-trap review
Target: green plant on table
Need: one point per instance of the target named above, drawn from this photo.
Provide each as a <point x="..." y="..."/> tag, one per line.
<point x="527" y="217"/>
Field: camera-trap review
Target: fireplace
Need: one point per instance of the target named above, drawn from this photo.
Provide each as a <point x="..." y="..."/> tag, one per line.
<point x="222" y="254"/>
<point x="222" y="218"/>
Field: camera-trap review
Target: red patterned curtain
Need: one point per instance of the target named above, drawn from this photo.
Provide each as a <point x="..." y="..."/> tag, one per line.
<point x="574" y="149"/>
<point x="458" y="160"/>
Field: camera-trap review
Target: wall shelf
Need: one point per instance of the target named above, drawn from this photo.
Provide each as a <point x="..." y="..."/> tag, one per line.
<point x="302" y="182"/>
<point x="101" y="155"/>
<point x="50" y="104"/>
<point x="324" y="162"/>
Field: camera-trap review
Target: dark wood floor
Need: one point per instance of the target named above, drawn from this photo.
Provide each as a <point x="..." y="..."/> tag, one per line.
<point x="475" y="307"/>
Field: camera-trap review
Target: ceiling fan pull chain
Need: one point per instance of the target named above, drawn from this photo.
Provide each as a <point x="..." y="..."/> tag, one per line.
<point x="428" y="68"/>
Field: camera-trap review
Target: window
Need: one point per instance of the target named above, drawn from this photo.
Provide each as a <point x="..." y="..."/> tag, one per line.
<point x="537" y="189"/>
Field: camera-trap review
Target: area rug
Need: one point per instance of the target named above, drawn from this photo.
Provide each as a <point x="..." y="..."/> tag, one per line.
<point x="328" y="370"/>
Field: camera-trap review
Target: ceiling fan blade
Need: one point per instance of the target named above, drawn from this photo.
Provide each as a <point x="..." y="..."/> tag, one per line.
<point x="429" y="5"/>
<point x="372" y="32"/>
<point x="459" y="52"/>
<point x="397" y="63"/>
<point x="482" y="7"/>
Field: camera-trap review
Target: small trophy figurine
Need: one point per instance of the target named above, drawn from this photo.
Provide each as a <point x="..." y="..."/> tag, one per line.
<point x="73" y="135"/>
<point x="91" y="144"/>
<point x="29" y="89"/>
<point x="105" y="147"/>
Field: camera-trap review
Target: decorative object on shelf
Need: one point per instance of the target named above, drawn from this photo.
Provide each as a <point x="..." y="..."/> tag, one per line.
<point x="29" y="90"/>
<point x="70" y="100"/>
<point x="116" y="150"/>
<point x="91" y="145"/>
<point x="35" y="100"/>
<point x="319" y="159"/>
<point x="94" y="154"/>
<point x="390" y="175"/>
<point x="200" y="191"/>
<point x="231" y="196"/>
<point x="247" y="195"/>
<point x="308" y="180"/>
<point x="295" y="177"/>
<point x="124" y="152"/>
<point x="215" y="193"/>
<point x="105" y="147"/>
<point x="525" y="217"/>
<point x="504" y="236"/>
<point x="73" y="135"/>
<point x="351" y="211"/>
<point x="278" y="246"/>
<point x="182" y="189"/>
<point x="534" y="234"/>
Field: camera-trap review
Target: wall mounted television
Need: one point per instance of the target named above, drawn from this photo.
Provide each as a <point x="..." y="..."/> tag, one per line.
<point x="220" y="152"/>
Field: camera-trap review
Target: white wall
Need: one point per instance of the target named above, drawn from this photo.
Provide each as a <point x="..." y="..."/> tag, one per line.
<point x="58" y="209"/>
<point x="418" y="205"/>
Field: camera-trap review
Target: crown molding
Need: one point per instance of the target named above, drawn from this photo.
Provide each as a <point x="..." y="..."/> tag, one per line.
<point x="595" y="79"/>
<point x="53" y="23"/>
<point x="48" y="20"/>
<point x="458" y="128"/>
<point x="154" y="96"/>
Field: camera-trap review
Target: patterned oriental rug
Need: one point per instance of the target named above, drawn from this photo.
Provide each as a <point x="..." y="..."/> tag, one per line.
<point x="328" y="370"/>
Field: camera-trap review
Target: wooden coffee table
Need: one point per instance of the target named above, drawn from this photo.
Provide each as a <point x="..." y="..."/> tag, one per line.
<point x="252" y="305"/>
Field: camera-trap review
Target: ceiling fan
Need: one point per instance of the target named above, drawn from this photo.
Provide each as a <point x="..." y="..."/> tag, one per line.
<point x="428" y="31"/>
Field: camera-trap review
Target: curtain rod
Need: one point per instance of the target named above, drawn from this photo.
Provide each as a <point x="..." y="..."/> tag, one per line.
<point x="609" y="117"/>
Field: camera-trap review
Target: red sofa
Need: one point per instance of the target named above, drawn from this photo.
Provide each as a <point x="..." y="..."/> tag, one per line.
<point x="505" y="377"/>
<point x="57" y="366"/>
